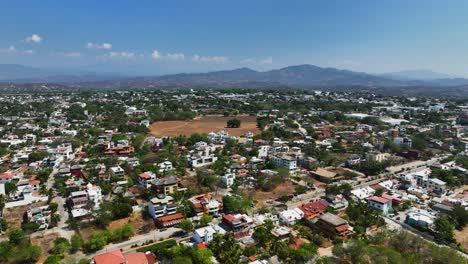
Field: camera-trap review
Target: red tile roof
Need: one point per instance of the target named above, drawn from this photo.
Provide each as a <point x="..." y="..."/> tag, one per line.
<point x="378" y="199"/>
<point x="313" y="208"/>
<point x="390" y="197"/>
<point x="6" y="176"/>
<point x="341" y="228"/>
<point x="112" y="257"/>
<point x="144" y="176"/>
<point x="136" y="258"/>
<point x="228" y="217"/>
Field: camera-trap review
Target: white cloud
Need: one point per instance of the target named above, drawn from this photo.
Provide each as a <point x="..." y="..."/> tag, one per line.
<point x="122" y="55"/>
<point x="210" y="59"/>
<point x="268" y="60"/>
<point x="104" y="45"/>
<point x="72" y="54"/>
<point x="13" y="50"/>
<point x="10" y="49"/>
<point x="35" y="38"/>
<point x="175" y="56"/>
<point x="156" y="55"/>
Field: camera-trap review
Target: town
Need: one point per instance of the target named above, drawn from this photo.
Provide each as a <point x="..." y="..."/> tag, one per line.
<point x="232" y="176"/>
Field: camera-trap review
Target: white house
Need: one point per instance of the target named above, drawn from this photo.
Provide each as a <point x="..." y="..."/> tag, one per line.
<point x="165" y="166"/>
<point x="228" y="179"/>
<point x="286" y="161"/>
<point x="205" y="234"/>
<point x="263" y="151"/>
<point x="380" y="204"/>
<point x="291" y="216"/>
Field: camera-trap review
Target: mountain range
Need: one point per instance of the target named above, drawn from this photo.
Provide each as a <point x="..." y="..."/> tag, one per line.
<point x="300" y="76"/>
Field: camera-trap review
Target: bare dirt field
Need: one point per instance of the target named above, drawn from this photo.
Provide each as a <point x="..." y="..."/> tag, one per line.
<point x="204" y="124"/>
<point x="46" y="243"/>
<point x="462" y="237"/>
<point x="285" y="188"/>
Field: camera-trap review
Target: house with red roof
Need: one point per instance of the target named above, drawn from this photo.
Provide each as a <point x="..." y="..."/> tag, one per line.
<point x="315" y="209"/>
<point x="380" y="204"/>
<point x="6" y="177"/>
<point x="116" y="257"/>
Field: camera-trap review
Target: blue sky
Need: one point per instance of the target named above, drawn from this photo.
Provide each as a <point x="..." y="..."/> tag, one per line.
<point x="158" y="37"/>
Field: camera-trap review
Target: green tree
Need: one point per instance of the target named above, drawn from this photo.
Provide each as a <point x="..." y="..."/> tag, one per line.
<point x="443" y="230"/>
<point x="186" y="225"/>
<point x="225" y="248"/>
<point x="61" y="246"/>
<point x="76" y="243"/>
<point x="123" y="233"/>
<point x="205" y="220"/>
<point x="460" y="216"/>
<point x="233" y="123"/>
<point x="16" y="237"/>
<point x="54" y="259"/>
<point x="201" y="256"/>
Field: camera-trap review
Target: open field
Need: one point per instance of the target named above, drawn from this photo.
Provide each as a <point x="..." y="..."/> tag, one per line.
<point x="462" y="237"/>
<point x="285" y="188"/>
<point x="204" y="124"/>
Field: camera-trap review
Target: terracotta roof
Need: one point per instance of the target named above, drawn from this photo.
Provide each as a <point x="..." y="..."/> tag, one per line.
<point x="144" y="176"/>
<point x="151" y="258"/>
<point x="229" y="217"/>
<point x="376" y="186"/>
<point x="6" y="176"/>
<point x="170" y="217"/>
<point x="112" y="257"/>
<point x="378" y="199"/>
<point x="313" y="208"/>
<point x="390" y="197"/>
<point x="202" y="245"/>
<point x="136" y="258"/>
<point x="341" y="228"/>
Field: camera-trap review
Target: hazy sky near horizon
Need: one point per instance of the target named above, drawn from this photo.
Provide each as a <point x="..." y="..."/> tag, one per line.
<point x="158" y="37"/>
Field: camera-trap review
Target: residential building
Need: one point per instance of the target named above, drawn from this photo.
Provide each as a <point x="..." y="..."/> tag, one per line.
<point x="228" y="179"/>
<point x="286" y="161"/>
<point x="205" y="204"/>
<point x="380" y="204"/>
<point x="205" y="234"/>
<point x="376" y="156"/>
<point x="314" y="209"/>
<point x="333" y="225"/>
<point x="291" y="216"/>
<point x="240" y="224"/>
<point x="169" y="220"/>
<point x="146" y="178"/>
<point x="166" y="185"/>
<point x="162" y="205"/>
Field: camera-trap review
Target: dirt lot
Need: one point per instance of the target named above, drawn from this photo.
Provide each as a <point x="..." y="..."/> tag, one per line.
<point x="462" y="237"/>
<point x="285" y="188"/>
<point x="14" y="216"/>
<point x="204" y="124"/>
<point x="46" y="243"/>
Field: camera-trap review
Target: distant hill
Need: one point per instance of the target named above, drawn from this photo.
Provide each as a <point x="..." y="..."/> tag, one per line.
<point x="300" y="76"/>
<point x="25" y="74"/>
<point x="421" y="75"/>
<point x="297" y="76"/>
